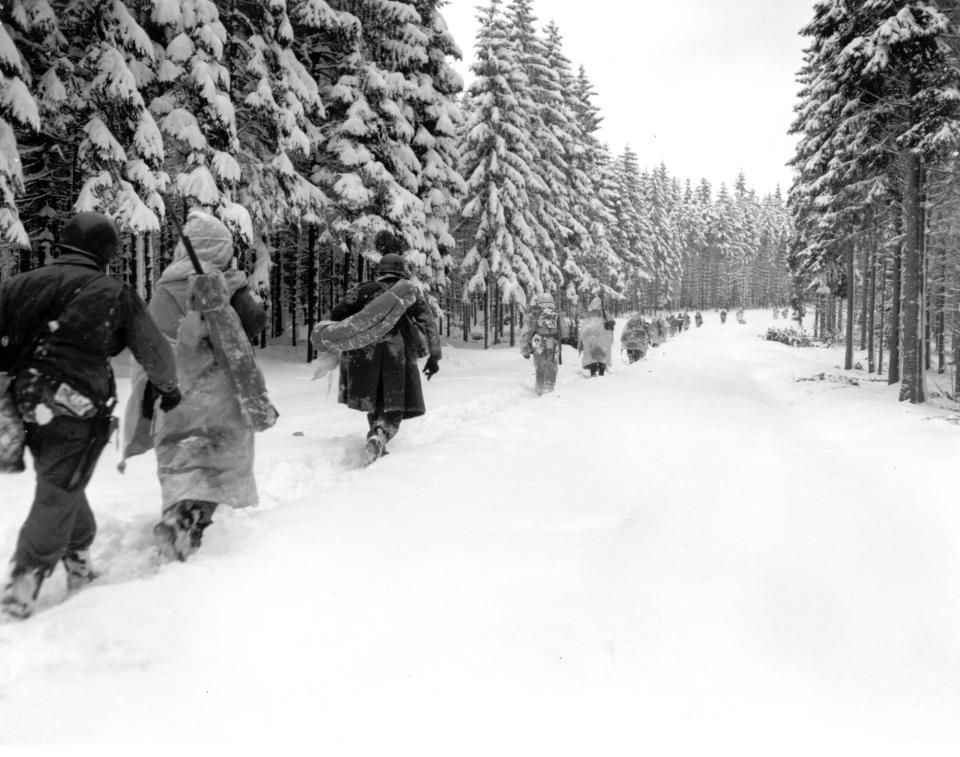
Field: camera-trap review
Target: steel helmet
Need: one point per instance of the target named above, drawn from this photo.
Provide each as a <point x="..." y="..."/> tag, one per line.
<point x="92" y="234"/>
<point x="392" y="264"/>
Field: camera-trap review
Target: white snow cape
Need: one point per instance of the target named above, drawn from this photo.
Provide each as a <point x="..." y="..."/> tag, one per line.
<point x="209" y="299"/>
<point x="378" y="316"/>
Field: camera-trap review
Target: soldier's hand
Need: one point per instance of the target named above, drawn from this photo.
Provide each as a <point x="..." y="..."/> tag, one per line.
<point x="431" y="368"/>
<point x="170" y="400"/>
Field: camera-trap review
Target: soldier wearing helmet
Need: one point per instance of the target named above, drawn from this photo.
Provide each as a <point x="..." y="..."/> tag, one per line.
<point x="542" y="334"/>
<point x="59" y="327"/>
<point x="383" y="379"/>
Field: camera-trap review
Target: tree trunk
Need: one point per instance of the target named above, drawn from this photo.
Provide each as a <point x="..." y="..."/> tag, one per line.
<point x="311" y="286"/>
<point x="848" y="356"/>
<point x="869" y="313"/>
<point x="893" y="373"/>
<point x="911" y="388"/>
<point x="865" y="294"/>
<point x="486" y="316"/>
<point x="941" y="313"/>
<point x="883" y="322"/>
<point x="513" y="321"/>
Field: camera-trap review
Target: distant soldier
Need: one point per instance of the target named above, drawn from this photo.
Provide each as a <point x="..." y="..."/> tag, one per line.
<point x="596" y="339"/>
<point x="698" y="319"/>
<point x="776" y="314"/>
<point x="543" y="331"/>
<point x="723" y="316"/>
<point x="686" y="321"/>
<point x="740" y="319"/>
<point x="634" y="338"/>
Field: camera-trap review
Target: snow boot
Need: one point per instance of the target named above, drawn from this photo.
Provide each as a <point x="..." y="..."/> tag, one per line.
<point x="375" y="447"/>
<point x="180" y="531"/>
<point x="79" y="569"/>
<point x="20" y="592"/>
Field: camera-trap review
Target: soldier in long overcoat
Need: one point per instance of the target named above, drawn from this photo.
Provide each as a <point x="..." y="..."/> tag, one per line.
<point x="383" y="379"/>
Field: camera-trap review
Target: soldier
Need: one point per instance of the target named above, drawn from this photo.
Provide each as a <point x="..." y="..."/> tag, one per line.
<point x="596" y="339"/>
<point x="59" y="327"/>
<point x="541" y="332"/>
<point x="205" y="449"/>
<point x="383" y="379"/>
<point x="634" y="338"/>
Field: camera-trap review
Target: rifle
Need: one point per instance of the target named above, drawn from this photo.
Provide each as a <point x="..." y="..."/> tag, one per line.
<point x="191" y="253"/>
<point x="229" y="341"/>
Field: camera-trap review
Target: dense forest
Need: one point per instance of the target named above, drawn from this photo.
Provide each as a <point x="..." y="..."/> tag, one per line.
<point x="875" y="196"/>
<point x="310" y="125"/>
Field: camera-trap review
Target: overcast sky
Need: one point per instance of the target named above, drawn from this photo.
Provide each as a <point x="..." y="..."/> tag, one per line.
<point x="707" y="86"/>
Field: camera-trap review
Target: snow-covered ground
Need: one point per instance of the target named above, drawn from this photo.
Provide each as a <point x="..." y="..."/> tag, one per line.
<point x="694" y="554"/>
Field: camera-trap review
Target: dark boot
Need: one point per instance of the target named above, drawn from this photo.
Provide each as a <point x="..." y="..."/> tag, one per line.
<point x="376" y="446"/>
<point x="79" y="569"/>
<point x="601" y="367"/>
<point x="180" y="531"/>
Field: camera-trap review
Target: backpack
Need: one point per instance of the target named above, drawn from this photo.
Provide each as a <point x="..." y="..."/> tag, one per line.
<point x="545" y="322"/>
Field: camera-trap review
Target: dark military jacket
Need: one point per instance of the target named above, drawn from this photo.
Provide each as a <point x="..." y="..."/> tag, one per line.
<point x="102" y="317"/>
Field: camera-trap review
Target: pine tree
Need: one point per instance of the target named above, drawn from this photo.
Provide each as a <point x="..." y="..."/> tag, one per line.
<point x="496" y="161"/>
<point x="18" y="108"/>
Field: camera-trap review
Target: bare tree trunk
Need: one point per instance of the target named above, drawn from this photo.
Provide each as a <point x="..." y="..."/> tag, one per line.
<point x="941" y="313"/>
<point x="893" y="373"/>
<point x="311" y="315"/>
<point x="911" y="387"/>
<point x="848" y="356"/>
<point x="486" y="314"/>
<point x="869" y="313"/>
<point x="864" y="294"/>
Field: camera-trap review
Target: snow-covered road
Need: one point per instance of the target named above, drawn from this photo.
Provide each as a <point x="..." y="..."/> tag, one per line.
<point x="696" y="552"/>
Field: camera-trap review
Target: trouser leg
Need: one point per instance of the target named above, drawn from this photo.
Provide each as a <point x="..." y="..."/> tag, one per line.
<point x="549" y="375"/>
<point x="539" y="373"/>
<point x="65" y="453"/>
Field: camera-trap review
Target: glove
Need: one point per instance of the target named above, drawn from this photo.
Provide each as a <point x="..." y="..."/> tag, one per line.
<point x="170" y="400"/>
<point x="431" y="368"/>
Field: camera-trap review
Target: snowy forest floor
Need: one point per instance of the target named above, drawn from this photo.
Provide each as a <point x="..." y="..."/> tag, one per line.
<point x="693" y="554"/>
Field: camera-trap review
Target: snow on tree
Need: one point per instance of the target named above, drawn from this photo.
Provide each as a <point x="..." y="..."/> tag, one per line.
<point x="18" y="108"/>
<point x="195" y="110"/>
<point x="280" y="112"/>
<point x="879" y="106"/>
<point x="434" y="88"/>
<point x="633" y="239"/>
<point x="496" y="160"/>
<point x="541" y="105"/>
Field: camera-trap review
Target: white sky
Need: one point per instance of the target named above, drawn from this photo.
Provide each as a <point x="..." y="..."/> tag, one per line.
<point x="707" y="86"/>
